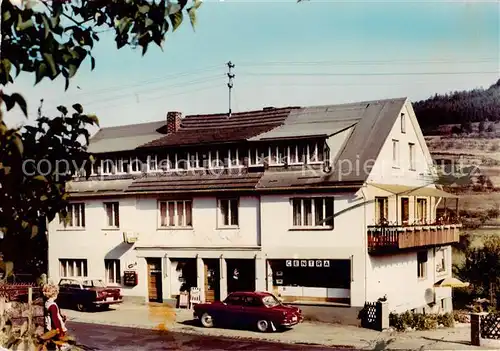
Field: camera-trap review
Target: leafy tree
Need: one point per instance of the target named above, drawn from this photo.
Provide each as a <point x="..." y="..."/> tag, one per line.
<point x="51" y="40"/>
<point x="482" y="265"/>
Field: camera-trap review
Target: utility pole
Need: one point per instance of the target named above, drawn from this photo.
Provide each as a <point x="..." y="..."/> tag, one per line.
<point x="230" y="75"/>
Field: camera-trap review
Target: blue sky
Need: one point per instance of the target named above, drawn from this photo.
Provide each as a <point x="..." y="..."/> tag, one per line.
<point x="316" y="52"/>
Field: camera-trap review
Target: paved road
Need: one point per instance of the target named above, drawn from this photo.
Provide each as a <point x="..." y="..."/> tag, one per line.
<point x="101" y="337"/>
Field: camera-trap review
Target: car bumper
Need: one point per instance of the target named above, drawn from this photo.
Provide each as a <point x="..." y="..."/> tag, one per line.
<point x="103" y="303"/>
<point x="291" y="323"/>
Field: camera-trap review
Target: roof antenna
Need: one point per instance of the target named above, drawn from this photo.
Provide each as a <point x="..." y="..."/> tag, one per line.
<point x="230" y="75"/>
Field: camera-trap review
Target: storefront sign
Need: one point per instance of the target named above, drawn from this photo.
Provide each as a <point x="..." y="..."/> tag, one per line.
<point x="130" y="278"/>
<point x="307" y="263"/>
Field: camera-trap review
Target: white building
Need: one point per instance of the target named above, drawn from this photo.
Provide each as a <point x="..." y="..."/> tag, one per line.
<point x="325" y="206"/>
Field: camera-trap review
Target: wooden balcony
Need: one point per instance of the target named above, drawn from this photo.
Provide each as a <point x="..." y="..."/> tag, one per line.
<point x="386" y="239"/>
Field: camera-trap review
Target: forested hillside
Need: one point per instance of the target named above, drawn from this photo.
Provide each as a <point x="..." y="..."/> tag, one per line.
<point x="459" y="107"/>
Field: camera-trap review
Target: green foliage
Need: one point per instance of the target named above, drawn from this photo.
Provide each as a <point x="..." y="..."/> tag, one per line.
<point x="460" y="107"/>
<point x="481" y="267"/>
<point x="33" y="191"/>
<point x="57" y="37"/>
<point x="420" y="321"/>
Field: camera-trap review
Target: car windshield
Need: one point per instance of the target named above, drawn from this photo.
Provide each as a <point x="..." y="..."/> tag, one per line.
<point x="94" y="283"/>
<point x="270" y="301"/>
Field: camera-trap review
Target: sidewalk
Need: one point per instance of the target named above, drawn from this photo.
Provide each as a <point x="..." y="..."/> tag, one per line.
<point x="307" y="333"/>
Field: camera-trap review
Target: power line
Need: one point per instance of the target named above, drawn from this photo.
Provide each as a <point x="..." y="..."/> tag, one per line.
<point x="365" y="62"/>
<point x="166" y="95"/>
<point x="155" y="89"/>
<point x="143" y="82"/>
<point x="364" y="74"/>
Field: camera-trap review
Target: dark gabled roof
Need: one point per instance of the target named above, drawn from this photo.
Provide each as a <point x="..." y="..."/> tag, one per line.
<point x="219" y="128"/>
<point x="364" y="143"/>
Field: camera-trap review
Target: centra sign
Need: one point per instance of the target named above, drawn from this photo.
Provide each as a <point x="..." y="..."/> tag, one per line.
<point x="307" y="263"/>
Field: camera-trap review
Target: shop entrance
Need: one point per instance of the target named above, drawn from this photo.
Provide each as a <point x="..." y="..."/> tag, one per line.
<point x="240" y="275"/>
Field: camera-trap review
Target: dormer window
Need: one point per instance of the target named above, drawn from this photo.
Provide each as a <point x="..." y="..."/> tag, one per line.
<point x="294" y="155"/>
<point x="314" y="153"/>
<point x="254" y="157"/>
<point x="214" y="160"/>
<point x="123" y="166"/>
<point x="181" y="162"/>
<point x="135" y="165"/>
<point x="194" y="160"/>
<point x="165" y="164"/>
<point x="108" y="166"/>
<point x="276" y="156"/>
<point x="152" y="163"/>
<point x="233" y="158"/>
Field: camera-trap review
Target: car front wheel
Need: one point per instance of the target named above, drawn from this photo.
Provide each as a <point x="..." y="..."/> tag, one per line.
<point x="262" y="325"/>
<point x="207" y="320"/>
<point x="81" y="307"/>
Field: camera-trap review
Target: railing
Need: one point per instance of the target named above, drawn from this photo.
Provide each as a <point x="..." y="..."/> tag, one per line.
<point x="387" y="238"/>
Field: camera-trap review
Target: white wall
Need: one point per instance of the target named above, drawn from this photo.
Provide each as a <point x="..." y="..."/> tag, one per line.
<point x="383" y="171"/>
<point x="94" y="243"/>
<point x="396" y="277"/>
<point x="345" y="240"/>
<point x="204" y="232"/>
<point x="140" y="216"/>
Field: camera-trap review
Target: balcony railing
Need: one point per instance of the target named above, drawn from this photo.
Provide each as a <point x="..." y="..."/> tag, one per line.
<point x="384" y="239"/>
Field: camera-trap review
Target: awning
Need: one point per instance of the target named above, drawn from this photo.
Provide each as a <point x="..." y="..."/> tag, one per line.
<point x="404" y="190"/>
<point x="450" y="283"/>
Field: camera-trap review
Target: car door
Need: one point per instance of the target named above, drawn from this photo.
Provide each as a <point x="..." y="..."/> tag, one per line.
<point x="231" y="312"/>
<point x="253" y="310"/>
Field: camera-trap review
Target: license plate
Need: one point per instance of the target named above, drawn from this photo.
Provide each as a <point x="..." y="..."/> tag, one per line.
<point x="109" y="299"/>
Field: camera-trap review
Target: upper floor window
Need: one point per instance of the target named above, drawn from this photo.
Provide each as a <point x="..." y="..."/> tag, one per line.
<point x="228" y="213"/>
<point x="421" y="211"/>
<point x="441" y="260"/>
<point x="76" y="216"/>
<point x="276" y="155"/>
<point x="233" y="158"/>
<point x="194" y="160"/>
<point x="165" y="163"/>
<point x="313" y="212"/>
<point x="422" y="264"/>
<point x="96" y="168"/>
<point x="176" y="214"/>
<point x="108" y="166"/>
<point x="411" y="151"/>
<point x="123" y="166"/>
<point x="403" y="123"/>
<point x="214" y="160"/>
<point x="152" y="163"/>
<point x="113" y="273"/>
<point x="135" y="165"/>
<point x="381" y="210"/>
<point x="181" y="161"/>
<point x="254" y="157"/>
<point x="314" y="153"/>
<point x="112" y="214"/>
<point x="73" y="268"/>
<point x="395" y="153"/>
<point x="294" y="155"/>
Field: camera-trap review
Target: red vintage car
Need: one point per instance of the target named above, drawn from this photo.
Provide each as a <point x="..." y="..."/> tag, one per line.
<point x="261" y="310"/>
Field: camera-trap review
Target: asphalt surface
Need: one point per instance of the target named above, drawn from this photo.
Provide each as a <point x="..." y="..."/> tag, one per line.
<point x="103" y="337"/>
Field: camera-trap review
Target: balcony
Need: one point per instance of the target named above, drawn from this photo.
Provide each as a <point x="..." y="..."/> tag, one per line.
<point x="385" y="239"/>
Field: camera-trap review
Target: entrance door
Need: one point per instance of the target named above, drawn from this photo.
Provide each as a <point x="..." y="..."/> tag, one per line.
<point x="240" y="275"/>
<point x="212" y="280"/>
<point x="405" y="210"/>
<point x="154" y="280"/>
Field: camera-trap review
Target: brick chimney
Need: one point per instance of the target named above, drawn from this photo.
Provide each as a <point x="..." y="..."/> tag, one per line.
<point x="173" y="121"/>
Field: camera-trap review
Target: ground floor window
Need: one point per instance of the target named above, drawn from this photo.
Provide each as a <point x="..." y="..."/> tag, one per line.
<point x="113" y="272"/>
<point x="313" y="273"/>
<point x="73" y="268"/>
